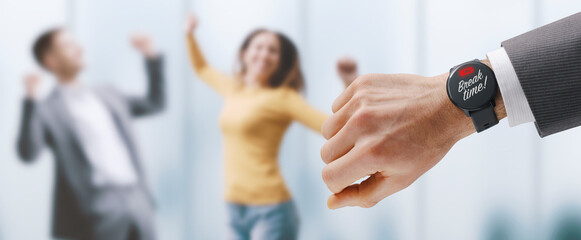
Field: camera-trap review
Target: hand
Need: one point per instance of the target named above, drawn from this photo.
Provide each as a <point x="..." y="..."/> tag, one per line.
<point x="392" y="128"/>
<point x="144" y="44"/>
<point x="191" y="24"/>
<point x="31" y="83"/>
<point x="347" y="69"/>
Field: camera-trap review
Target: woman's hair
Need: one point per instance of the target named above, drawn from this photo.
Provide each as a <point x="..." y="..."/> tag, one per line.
<point x="288" y="73"/>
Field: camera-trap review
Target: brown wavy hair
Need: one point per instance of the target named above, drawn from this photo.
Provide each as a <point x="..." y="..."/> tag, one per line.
<point x="288" y="72"/>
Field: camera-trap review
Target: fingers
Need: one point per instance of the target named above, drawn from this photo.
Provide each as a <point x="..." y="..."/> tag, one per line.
<point x="343" y="98"/>
<point x="347" y="70"/>
<point x="346" y="170"/>
<point x="338" y="120"/>
<point x="144" y="43"/>
<point x="338" y="145"/>
<point x="137" y="40"/>
<point x="32" y="79"/>
<point x="137" y="36"/>
<point x="31" y="82"/>
<point x="368" y="193"/>
<point x="140" y="39"/>
<point x="191" y="23"/>
<point x="357" y="86"/>
<point x="346" y="64"/>
<point x="344" y="128"/>
<point x="348" y="128"/>
<point x="32" y="76"/>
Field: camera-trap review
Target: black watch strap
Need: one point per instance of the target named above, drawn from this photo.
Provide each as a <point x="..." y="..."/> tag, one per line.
<point x="484" y="118"/>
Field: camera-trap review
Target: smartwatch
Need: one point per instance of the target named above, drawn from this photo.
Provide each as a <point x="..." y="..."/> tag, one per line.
<point x="472" y="87"/>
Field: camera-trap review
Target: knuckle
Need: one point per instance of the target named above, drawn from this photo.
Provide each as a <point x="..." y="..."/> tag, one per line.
<point x="377" y="151"/>
<point x="377" y="156"/>
<point x="360" y="83"/>
<point x="325" y="129"/>
<point x="359" y="97"/>
<point x="329" y="179"/>
<point x="374" y="162"/>
<point x="364" y="80"/>
<point x="325" y="154"/>
<point x="356" y="84"/>
<point x="362" y="116"/>
<point x="327" y="175"/>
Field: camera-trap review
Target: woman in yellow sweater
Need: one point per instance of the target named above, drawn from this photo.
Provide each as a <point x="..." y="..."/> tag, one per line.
<point x="260" y="102"/>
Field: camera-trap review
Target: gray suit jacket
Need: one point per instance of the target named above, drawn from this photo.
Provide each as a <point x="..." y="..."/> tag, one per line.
<point x="48" y="123"/>
<point x="547" y="61"/>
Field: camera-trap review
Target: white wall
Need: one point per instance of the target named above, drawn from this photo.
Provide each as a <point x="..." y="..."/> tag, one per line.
<point x="25" y="190"/>
<point x="516" y="186"/>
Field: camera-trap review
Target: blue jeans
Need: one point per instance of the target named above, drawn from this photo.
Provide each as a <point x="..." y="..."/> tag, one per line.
<point x="268" y="222"/>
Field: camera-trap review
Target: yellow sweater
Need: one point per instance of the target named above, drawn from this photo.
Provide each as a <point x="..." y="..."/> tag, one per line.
<point x="253" y="122"/>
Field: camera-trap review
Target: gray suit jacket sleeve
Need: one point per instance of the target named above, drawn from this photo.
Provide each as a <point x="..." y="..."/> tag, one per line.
<point x="31" y="139"/>
<point x="547" y="61"/>
<point x="154" y="101"/>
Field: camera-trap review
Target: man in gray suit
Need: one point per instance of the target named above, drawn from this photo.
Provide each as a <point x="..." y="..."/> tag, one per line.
<point x="100" y="189"/>
<point x="395" y="127"/>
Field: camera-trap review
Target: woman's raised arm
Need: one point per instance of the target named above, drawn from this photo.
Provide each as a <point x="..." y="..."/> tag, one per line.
<point x="220" y="82"/>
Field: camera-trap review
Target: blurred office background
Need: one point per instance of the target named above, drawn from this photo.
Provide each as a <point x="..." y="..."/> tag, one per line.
<point x="506" y="183"/>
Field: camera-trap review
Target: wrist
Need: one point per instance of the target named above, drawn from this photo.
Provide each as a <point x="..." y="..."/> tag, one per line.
<point x="456" y="124"/>
<point x="499" y="109"/>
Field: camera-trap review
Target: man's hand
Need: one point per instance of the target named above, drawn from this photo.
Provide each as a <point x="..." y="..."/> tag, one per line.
<point x="144" y="44"/>
<point x="347" y="70"/>
<point x="190" y="24"/>
<point x="31" y="83"/>
<point x="392" y="128"/>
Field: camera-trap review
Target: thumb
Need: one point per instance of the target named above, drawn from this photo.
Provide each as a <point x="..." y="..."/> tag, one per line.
<point x="366" y="194"/>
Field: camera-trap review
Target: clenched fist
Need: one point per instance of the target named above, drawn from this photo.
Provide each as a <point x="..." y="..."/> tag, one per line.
<point x="31" y="84"/>
<point x="347" y="70"/>
<point x="190" y="24"/>
<point x="144" y="44"/>
<point x="392" y="128"/>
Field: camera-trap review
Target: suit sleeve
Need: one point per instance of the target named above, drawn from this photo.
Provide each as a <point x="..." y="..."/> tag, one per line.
<point x="547" y="61"/>
<point x="31" y="139"/>
<point x="300" y="110"/>
<point x="154" y="101"/>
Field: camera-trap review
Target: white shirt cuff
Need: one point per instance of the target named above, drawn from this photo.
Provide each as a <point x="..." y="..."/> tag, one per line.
<point x="518" y="110"/>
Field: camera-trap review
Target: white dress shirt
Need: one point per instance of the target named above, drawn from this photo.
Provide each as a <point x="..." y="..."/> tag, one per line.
<point x="105" y="149"/>
<point x="518" y="110"/>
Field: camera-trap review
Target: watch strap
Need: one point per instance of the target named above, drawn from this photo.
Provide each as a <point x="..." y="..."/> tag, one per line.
<point x="484" y="118"/>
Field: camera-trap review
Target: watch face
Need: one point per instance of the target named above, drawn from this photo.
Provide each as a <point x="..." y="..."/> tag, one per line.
<point x="471" y="86"/>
